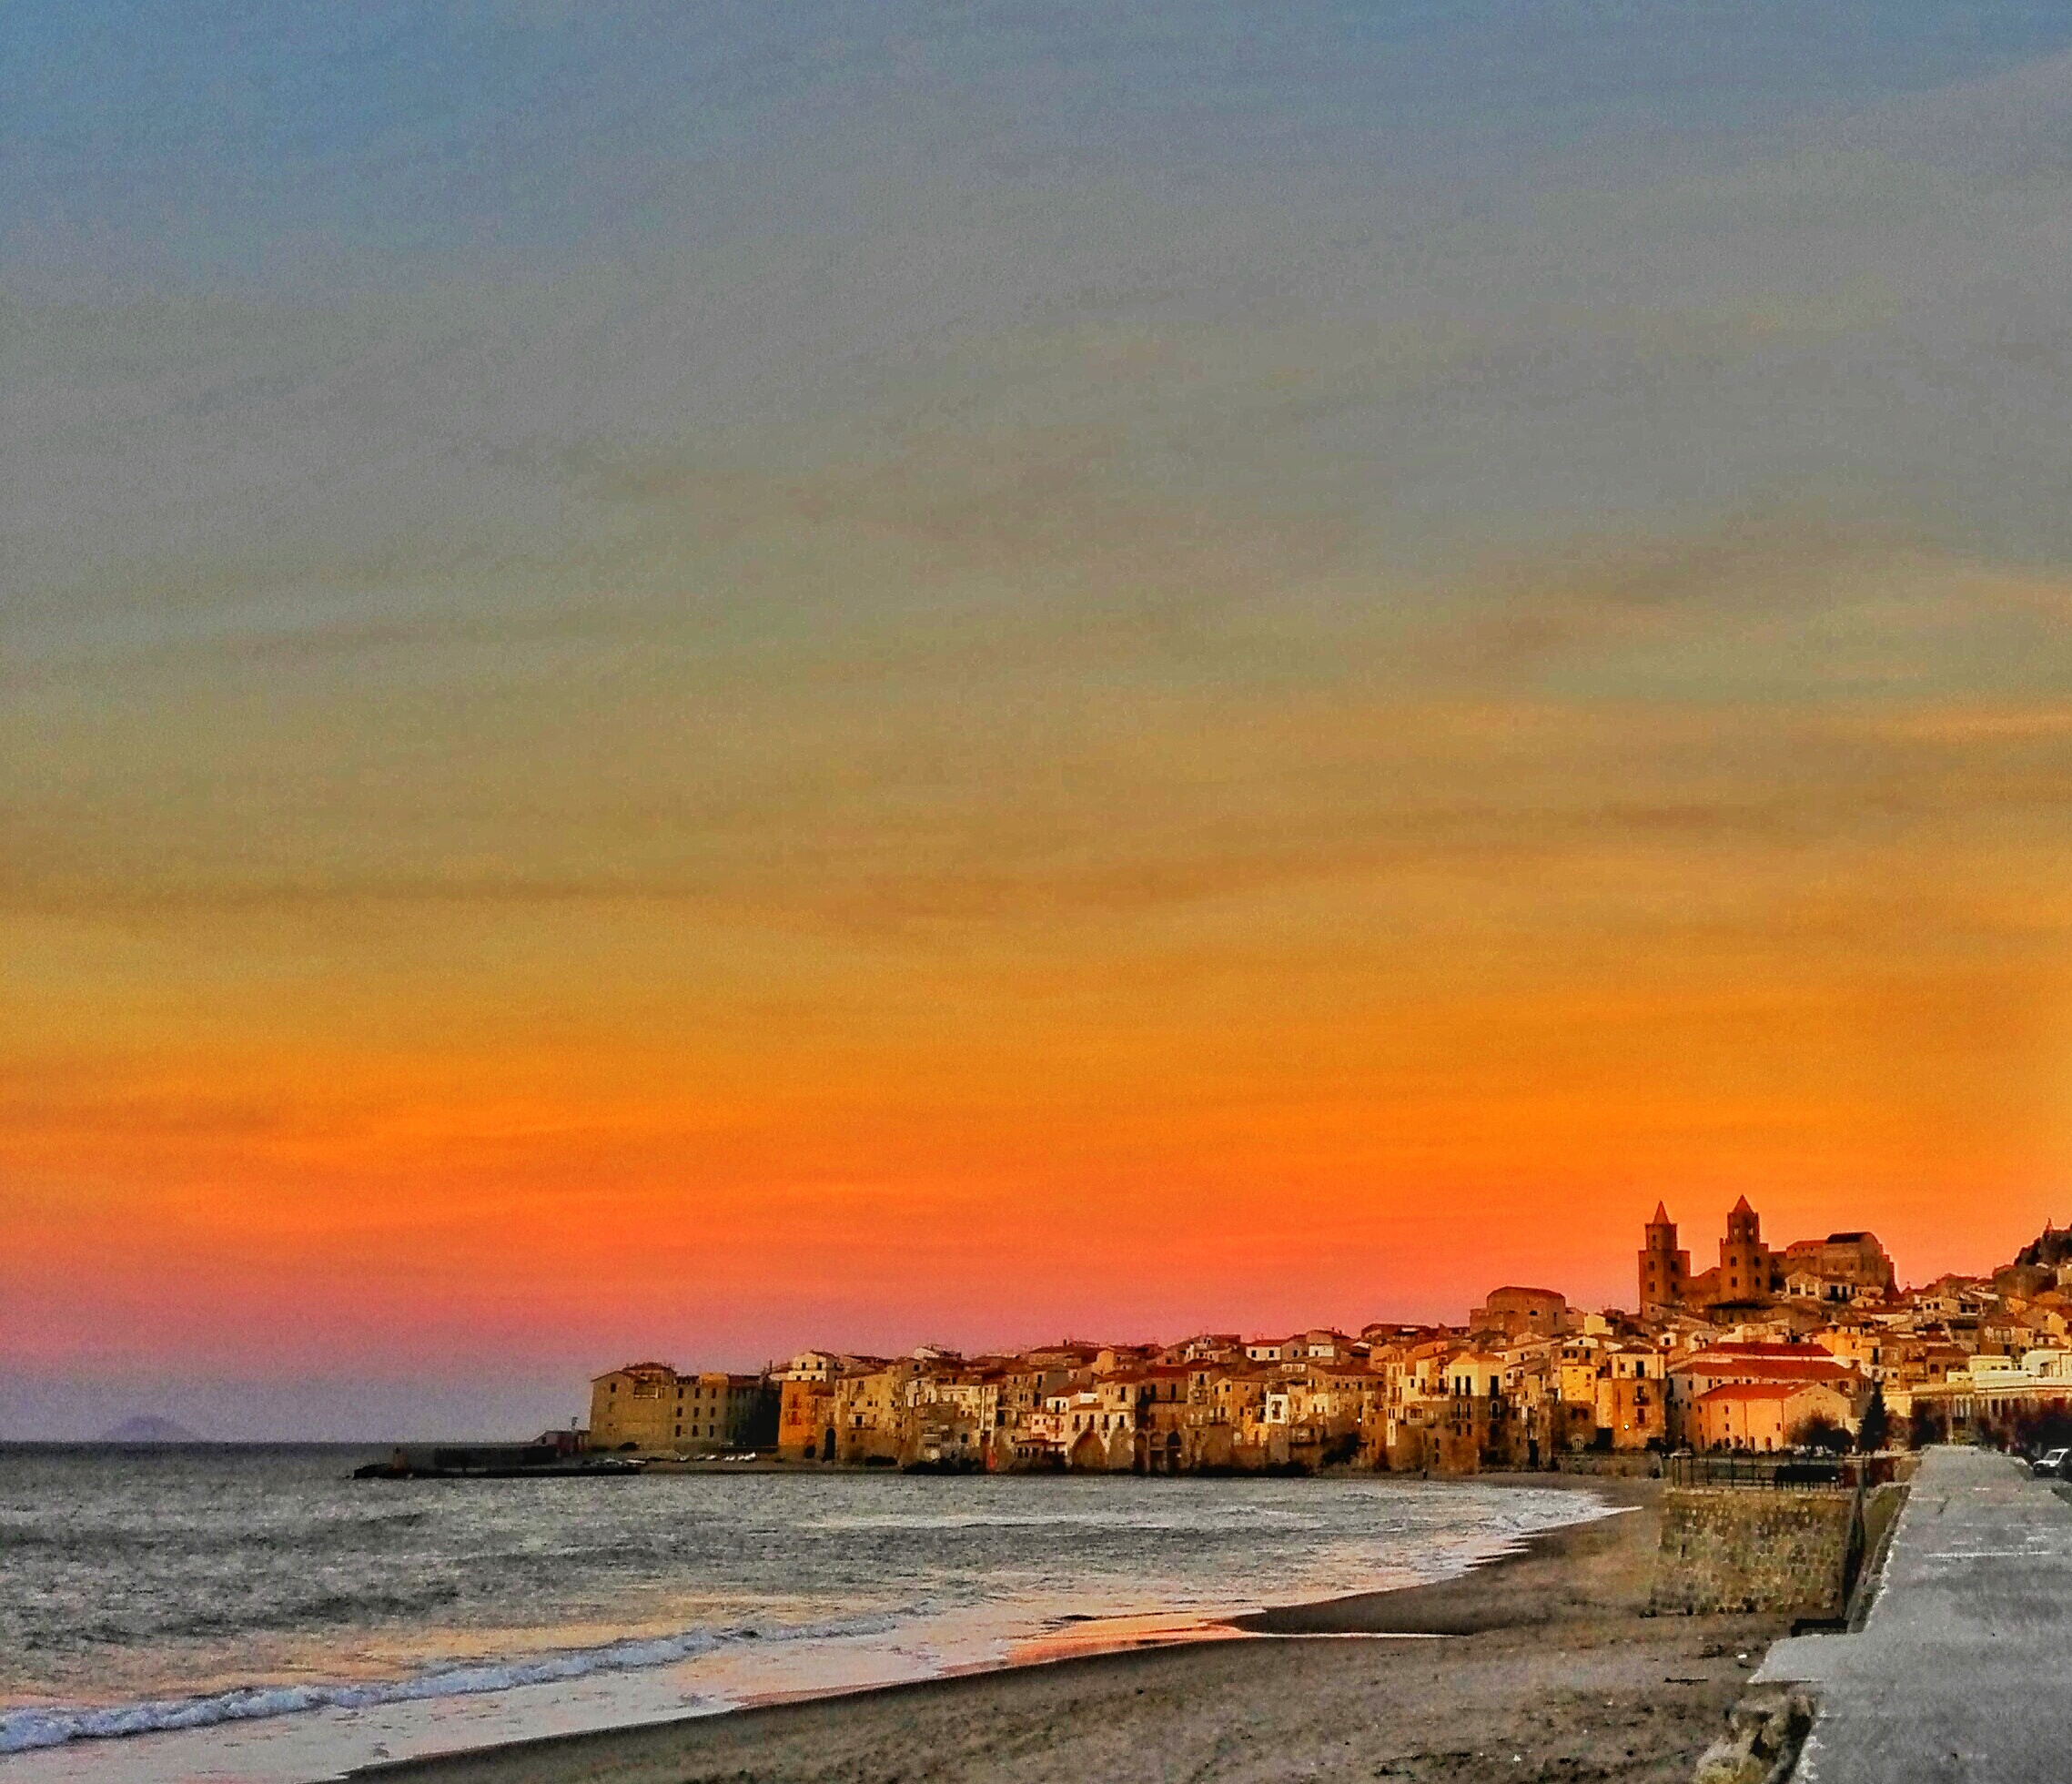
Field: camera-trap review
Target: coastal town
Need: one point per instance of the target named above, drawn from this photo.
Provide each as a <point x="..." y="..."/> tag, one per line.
<point x="1814" y="1346"/>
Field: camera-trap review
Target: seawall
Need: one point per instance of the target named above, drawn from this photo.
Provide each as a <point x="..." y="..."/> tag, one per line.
<point x="1788" y="1551"/>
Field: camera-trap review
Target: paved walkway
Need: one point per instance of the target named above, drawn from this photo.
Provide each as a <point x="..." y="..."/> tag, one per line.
<point x="1964" y="1667"/>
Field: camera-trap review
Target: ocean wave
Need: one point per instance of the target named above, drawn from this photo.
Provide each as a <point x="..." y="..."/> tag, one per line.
<point x="22" y="1730"/>
<point x="1152" y="1518"/>
<point x="66" y="1533"/>
<point x="1409" y="1509"/>
<point x="321" y="1610"/>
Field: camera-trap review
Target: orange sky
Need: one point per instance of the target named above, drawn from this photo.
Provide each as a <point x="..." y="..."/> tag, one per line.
<point x="1024" y="1094"/>
<point x="911" y="749"/>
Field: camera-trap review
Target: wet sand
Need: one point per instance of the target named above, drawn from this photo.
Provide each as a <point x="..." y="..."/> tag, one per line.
<point x="1545" y="1667"/>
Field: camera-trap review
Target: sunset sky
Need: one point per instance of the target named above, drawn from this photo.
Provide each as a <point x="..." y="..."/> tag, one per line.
<point x="684" y="680"/>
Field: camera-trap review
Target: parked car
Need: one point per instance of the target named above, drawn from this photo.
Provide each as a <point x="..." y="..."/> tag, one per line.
<point x="2051" y="1464"/>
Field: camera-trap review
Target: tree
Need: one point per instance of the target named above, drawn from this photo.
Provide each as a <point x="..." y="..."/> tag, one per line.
<point x="2035" y="1432"/>
<point x="1930" y="1425"/>
<point x="1821" y="1433"/>
<point x="1878" y="1424"/>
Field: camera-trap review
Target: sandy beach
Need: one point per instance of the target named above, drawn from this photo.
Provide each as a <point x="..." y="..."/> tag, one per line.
<point x="1543" y="1665"/>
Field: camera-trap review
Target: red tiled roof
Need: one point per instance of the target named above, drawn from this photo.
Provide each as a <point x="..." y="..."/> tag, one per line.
<point x="1760" y="1348"/>
<point x="1756" y="1391"/>
<point x="1772" y="1369"/>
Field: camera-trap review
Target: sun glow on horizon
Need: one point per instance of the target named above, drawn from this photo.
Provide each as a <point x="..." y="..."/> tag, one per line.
<point x="892" y="682"/>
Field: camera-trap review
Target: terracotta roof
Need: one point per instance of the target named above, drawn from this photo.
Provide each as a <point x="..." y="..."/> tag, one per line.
<point x="1756" y="1391"/>
<point x="1760" y="1348"/>
<point x="1772" y="1369"/>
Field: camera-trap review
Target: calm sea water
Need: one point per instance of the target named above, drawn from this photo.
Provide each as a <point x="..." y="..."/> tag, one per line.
<point x="254" y="1614"/>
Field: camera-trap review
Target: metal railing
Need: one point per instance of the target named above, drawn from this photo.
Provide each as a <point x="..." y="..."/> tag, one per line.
<point x="1845" y="1474"/>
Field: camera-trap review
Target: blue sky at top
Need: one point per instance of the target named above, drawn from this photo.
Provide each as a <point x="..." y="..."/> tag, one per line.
<point x="167" y="145"/>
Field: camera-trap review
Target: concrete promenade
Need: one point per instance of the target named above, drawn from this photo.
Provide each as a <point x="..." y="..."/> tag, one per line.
<point x="1964" y="1667"/>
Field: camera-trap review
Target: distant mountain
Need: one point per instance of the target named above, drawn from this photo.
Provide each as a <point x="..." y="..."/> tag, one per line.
<point x="145" y="1428"/>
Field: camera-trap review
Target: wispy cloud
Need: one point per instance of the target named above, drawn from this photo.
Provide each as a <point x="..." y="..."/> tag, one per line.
<point x="1289" y="646"/>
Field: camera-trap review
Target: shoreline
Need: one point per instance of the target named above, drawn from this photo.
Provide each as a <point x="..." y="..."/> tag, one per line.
<point x="1547" y="1646"/>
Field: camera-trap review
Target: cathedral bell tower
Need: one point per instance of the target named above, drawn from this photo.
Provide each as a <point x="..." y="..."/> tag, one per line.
<point x="1665" y="1270"/>
<point x="1745" y="1259"/>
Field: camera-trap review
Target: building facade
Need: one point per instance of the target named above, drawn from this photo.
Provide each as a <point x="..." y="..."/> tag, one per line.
<point x="648" y="1407"/>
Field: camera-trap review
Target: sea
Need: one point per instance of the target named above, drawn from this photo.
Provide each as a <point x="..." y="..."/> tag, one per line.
<point x="256" y="1615"/>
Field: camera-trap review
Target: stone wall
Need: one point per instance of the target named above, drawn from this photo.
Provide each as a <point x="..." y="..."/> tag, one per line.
<point x="1786" y="1551"/>
<point x="1616" y="1465"/>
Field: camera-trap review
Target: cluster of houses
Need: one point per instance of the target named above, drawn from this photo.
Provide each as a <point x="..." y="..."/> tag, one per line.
<point x="1771" y="1350"/>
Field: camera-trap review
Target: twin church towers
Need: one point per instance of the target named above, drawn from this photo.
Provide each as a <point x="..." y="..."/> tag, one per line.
<point x="1843" y="1267"/>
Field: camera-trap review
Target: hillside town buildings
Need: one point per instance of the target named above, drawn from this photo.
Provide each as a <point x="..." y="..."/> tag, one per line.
<point x="1765" y="1351"/>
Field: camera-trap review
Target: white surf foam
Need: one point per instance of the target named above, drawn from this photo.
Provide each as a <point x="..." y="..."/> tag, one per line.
<point x="23" y="1730"/>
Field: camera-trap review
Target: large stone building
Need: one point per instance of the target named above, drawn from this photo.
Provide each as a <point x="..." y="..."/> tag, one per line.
<point x="1845" y="1266"/>
<point x="1522" y="1311"/>
<point x="1842" y="1267"/>
<point x="1757" y="1364"/>
<point x="648" y="1406"/>
<point x="1764" y="1415"/>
